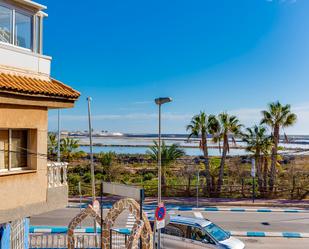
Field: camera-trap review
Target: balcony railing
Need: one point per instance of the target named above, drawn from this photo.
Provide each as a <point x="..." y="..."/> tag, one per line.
<point x="56" y="174"/>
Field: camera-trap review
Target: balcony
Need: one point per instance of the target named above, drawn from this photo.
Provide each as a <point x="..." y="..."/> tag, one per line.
<point x="56" y="174"/>
<point x="22" y="59"/>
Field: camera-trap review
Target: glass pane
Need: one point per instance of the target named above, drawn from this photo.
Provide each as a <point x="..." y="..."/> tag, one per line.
<point x="199" y="235"/>
<point x="4" y="149"/>
<point x="37" y="34"/>
<point x="217" y="232"/>
<point x="19" y="148"/>
<point x="5" y="24"/>
<point x="23" y="30"/>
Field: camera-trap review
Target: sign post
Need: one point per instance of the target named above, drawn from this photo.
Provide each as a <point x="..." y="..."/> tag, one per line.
<point x="253" y="178"/>
<point x="160" y="216"/>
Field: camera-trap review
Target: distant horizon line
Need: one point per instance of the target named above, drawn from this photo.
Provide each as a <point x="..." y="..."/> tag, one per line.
<point x="151" y="134"/>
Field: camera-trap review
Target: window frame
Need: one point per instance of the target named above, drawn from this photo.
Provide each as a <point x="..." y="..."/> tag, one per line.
<point x="31" y="16"/>
<point x="34" y="42"/>
<point x="11" y="169"/>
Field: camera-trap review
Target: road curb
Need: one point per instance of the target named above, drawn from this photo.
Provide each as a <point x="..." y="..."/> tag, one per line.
<point x="290" y="235"/>
<point x="210" y="203"/>
<point x="209" y="209"/>
<point x="59" y="230"/>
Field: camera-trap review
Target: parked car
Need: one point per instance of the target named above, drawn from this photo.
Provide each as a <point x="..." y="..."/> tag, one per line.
<point x="185" y="232"/>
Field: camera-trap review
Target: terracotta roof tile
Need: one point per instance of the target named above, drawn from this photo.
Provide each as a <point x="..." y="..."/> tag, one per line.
<point x="21" y="84"/>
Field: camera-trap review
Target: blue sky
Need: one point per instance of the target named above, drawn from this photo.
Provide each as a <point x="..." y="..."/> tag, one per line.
<point x="215" y="56"/>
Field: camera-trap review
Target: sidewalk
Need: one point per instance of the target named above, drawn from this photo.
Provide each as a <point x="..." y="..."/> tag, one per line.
<point x="213" y="202"/>
<point x="233" y="202"/>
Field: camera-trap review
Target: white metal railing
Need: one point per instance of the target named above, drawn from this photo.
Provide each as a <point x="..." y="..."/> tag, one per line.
<point x="17" y="234"/>
<point x="56" y="174"/>
<point x="49" y="240"/>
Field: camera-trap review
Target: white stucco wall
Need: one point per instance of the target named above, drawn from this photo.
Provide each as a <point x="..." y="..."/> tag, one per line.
<point x="19" y="58"/>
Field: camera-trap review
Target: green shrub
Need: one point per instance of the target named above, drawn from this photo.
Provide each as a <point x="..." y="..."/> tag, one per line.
<point x="106" y="159"/>
<point x="74" y="179"/>
<point x="148" y="176"/>
<point x="87" y="177"/>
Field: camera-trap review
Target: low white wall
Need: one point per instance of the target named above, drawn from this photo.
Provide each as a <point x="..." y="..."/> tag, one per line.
<point x="11" y="56"/>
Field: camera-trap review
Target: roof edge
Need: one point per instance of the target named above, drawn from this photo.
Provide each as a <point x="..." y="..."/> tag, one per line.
<point x="32" y="4"/>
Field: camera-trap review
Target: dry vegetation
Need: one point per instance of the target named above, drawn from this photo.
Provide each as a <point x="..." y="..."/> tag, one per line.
<point x="292" y="181"/>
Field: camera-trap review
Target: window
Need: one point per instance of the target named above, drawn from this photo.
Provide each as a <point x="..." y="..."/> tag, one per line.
<point x="13" y="149"/>
<point x="19" y="140"/>
<point x="200" y="235"/>
<point x="216" y="232"/>
<point x="4" y="149"/>
<point x="23" y="30"/>
<point x="5" y="24"/>
<point x="171" y="229"/>
<point x="20" y="28"/>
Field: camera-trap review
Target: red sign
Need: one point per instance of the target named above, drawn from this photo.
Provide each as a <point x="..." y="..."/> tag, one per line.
<point x="160" y="212"/>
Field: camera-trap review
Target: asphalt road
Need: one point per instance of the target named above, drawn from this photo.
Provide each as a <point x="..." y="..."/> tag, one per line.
<point x="250" y="243"/>
<point x="253" y="221"/>
<point x="232" y="221"/>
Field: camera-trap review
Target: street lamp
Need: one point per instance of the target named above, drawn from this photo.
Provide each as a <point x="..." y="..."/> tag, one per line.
<point x="159" y="102"/>
<point x="89" y="99"/>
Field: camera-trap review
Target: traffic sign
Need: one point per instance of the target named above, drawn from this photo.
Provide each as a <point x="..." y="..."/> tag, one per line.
<point x="160" y="212"/>
<point x="160" y="224"/>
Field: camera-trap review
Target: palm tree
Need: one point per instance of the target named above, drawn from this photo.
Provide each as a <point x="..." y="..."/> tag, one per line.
<point x="52" y="145"/>
<point x="68" y="146"/>
<point x="257" y="141"/>
<point x="202" y="125"/>
<point x="169" y="154"/>
<point x="277" y="116"/>
<point x="266" y="152"/>
<point x="229" y="127"/>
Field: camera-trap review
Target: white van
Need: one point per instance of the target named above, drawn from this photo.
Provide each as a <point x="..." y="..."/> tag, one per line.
<point x="185" y="232"/>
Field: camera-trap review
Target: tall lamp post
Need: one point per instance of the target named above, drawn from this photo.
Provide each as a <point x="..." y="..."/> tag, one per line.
<point x="89" y="99"/>
<point x="160" y="102"/>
